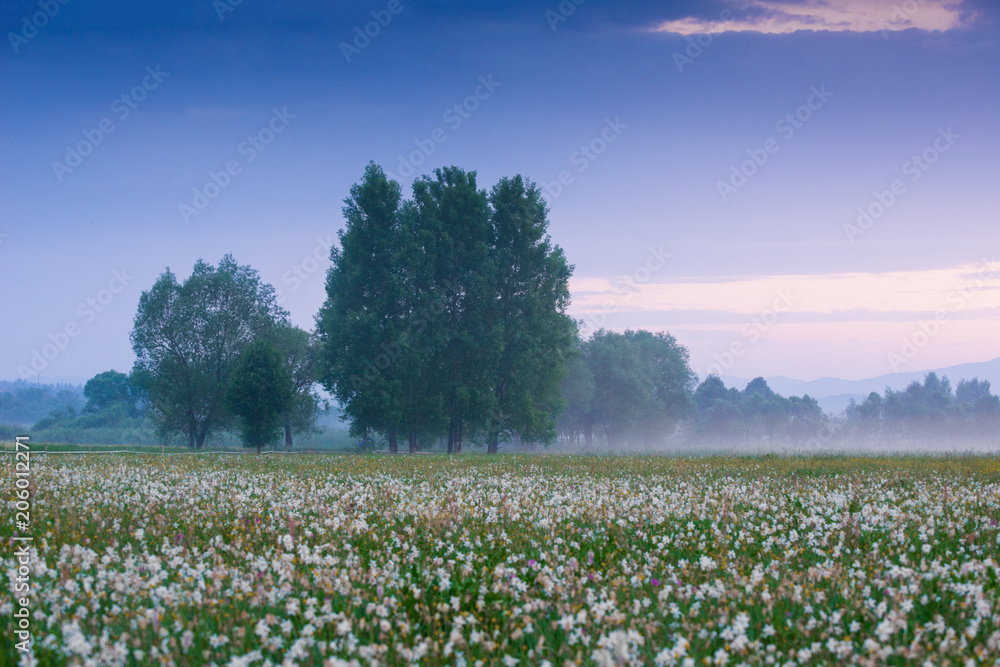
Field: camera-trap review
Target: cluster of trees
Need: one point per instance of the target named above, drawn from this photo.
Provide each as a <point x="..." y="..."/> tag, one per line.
<point x="217" y="353"/>
<point x="111" y="401"/>
<point x="445" y="313"/>
<point x="107" y="409"/>
<point x="628" y="389"/>
<point x="756" y="414"/>
<point x="636" y="389"/>
<point x="922" y="410"/>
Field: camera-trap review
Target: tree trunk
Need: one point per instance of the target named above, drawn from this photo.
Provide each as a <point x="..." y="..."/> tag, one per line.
<point x="393" y="442"/>
<point x="258" y="449"/>
<point x="451" y="436"/>
<point x="288" y="436"/>
<point x="588" y="436"/>
<point x="413" y="442"/>
<point x="458" y="438"/>
<point x="493" y="446"/>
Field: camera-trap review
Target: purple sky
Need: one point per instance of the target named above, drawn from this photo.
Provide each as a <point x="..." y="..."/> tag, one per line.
<point x="790" y="188"/>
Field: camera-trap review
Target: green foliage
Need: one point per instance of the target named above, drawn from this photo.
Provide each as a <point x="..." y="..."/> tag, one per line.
<point x="630" y="388"/>
<point x="110" y="390"/>
<point x="260" y="391"/>
<point x="445" y="315"/>
<point x="111" y="414"/>
<point x="187" y="337"/>
<point x="924" y="410"/>
<point x="300" y="353"/>
<point x="529" y="332"/>
<point x="757" y="414"/>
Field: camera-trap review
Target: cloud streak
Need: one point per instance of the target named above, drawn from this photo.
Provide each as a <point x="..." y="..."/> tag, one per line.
<point x="782" y="16"/>
<point x="848" y="293"/>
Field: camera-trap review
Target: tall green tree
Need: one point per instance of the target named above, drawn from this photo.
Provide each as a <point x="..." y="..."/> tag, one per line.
<point x="300" y="352"/>
<point x="718" y="414"/>
<point x="187" y="337"/>
<point x="528" y="332"/>
<point x="260" y="391"/>
<point x="363" y="320"/>
<point x="453" y="215"/>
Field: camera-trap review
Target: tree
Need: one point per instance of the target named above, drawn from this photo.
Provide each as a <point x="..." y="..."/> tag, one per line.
<point x="363" y="319"/>
<point x="260" y="391"/>
<point x="866" y="418"/>
<point x="718" y="415"/>
<point x="577" y="390"/>
<point x="300" y="354"/>
<point x="453" y="217"/>
<point x="529" y="332"/>
<point x="921" y="409"/>
<point x="641" y="387"/>
<point x="110" y="390"/>
<point x="187" y="337"/>
<point x="766" y="412"/>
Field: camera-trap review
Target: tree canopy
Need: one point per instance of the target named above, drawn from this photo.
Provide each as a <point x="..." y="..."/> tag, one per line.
<point x="260" y="391"/>
<point x="445" y="314"/>
<point x="632" y="388"/>
<point x="187" y="337"/>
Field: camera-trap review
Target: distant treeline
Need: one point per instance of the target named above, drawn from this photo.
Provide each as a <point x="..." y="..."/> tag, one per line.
<point x="24" y="403"/>
<point x="925" y="411"/>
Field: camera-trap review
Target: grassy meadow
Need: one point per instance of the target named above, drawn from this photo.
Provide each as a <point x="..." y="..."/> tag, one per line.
<point x="324" y="559"/>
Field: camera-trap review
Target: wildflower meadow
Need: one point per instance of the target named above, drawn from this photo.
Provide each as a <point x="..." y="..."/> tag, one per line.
<point x="320" y="559"/>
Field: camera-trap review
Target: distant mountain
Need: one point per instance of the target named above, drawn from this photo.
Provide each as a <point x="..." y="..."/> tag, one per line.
<point x="834" y="394"/>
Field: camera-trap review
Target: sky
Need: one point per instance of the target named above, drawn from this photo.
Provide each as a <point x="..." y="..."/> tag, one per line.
<point x="800" y="188"/>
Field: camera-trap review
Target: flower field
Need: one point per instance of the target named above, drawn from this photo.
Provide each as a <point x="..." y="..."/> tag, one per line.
<point x="323" y="559"/>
